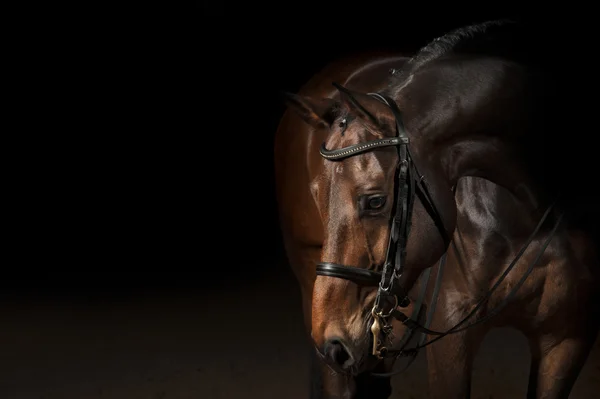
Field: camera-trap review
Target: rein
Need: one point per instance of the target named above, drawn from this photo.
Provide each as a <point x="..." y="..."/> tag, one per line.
<point x="390" y="293"/>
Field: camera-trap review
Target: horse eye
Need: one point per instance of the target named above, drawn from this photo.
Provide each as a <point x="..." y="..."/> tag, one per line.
<point x="376" y="202"/>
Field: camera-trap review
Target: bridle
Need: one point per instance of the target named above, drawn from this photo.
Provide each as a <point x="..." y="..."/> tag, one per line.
<point x="390" y="293"/>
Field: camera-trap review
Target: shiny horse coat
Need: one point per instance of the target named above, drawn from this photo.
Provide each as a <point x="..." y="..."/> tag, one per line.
<point x="490" y="224"/>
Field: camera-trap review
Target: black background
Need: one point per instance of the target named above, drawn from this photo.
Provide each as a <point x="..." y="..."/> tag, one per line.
<point x="172" y="185"/>
<point x="246" y="57"/>
<point x="159" y="205"/>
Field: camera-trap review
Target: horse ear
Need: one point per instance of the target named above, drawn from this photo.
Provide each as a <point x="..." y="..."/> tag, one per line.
<point x="355" y="102"/>
<point x="317" y="112"/>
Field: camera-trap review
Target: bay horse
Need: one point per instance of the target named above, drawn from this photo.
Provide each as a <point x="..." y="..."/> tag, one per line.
<point x="336" y="195"/>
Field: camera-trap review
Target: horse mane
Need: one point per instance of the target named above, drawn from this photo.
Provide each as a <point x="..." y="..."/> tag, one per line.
<point x="494" y="38"/>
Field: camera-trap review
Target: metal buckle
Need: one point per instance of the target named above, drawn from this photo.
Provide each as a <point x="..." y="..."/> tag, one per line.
<point x="380" y="314"/>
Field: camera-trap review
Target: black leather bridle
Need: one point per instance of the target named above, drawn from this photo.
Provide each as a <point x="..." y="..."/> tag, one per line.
<point x="390" y="293"/>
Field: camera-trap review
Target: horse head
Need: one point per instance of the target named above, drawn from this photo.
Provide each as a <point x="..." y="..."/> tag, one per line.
<point x="385" y="219"/>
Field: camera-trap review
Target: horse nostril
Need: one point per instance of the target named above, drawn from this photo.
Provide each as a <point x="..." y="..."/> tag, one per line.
<point x="336" y="353"/>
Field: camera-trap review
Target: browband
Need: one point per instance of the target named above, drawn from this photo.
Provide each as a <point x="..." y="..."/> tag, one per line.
<point x="351" y="150"/>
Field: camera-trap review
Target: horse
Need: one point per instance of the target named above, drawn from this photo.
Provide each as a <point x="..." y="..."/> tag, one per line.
<point x="297" y="163"/>
<point x="335" y="214"/>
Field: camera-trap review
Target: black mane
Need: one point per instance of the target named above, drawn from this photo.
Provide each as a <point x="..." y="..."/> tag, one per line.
<point x="547" y="94"/>
<point x="466" y="38"/>
<point x="502" y="38"/>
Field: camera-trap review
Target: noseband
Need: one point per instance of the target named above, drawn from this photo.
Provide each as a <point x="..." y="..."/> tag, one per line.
<point x="390" y="293"/>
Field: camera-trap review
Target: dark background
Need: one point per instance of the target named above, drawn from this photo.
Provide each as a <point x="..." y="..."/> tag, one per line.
<point x="172" y="185"/>
<point x="244" y="56"/>
<point x="148" y="260"/>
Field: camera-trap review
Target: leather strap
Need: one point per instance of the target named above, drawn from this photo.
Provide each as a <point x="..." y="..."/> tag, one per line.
<point x="351" y="150"/>
<point x="355" y="274"/>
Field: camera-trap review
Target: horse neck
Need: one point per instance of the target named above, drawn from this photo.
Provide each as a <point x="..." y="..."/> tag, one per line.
<point x="498" y="161"/>
<point x="474" y="117"/>
<point x="492" y="225"/>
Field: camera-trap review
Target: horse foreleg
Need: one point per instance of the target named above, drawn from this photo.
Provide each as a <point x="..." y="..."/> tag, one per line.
<point x="556" y="363"/>
<point x="450" y="363"/>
